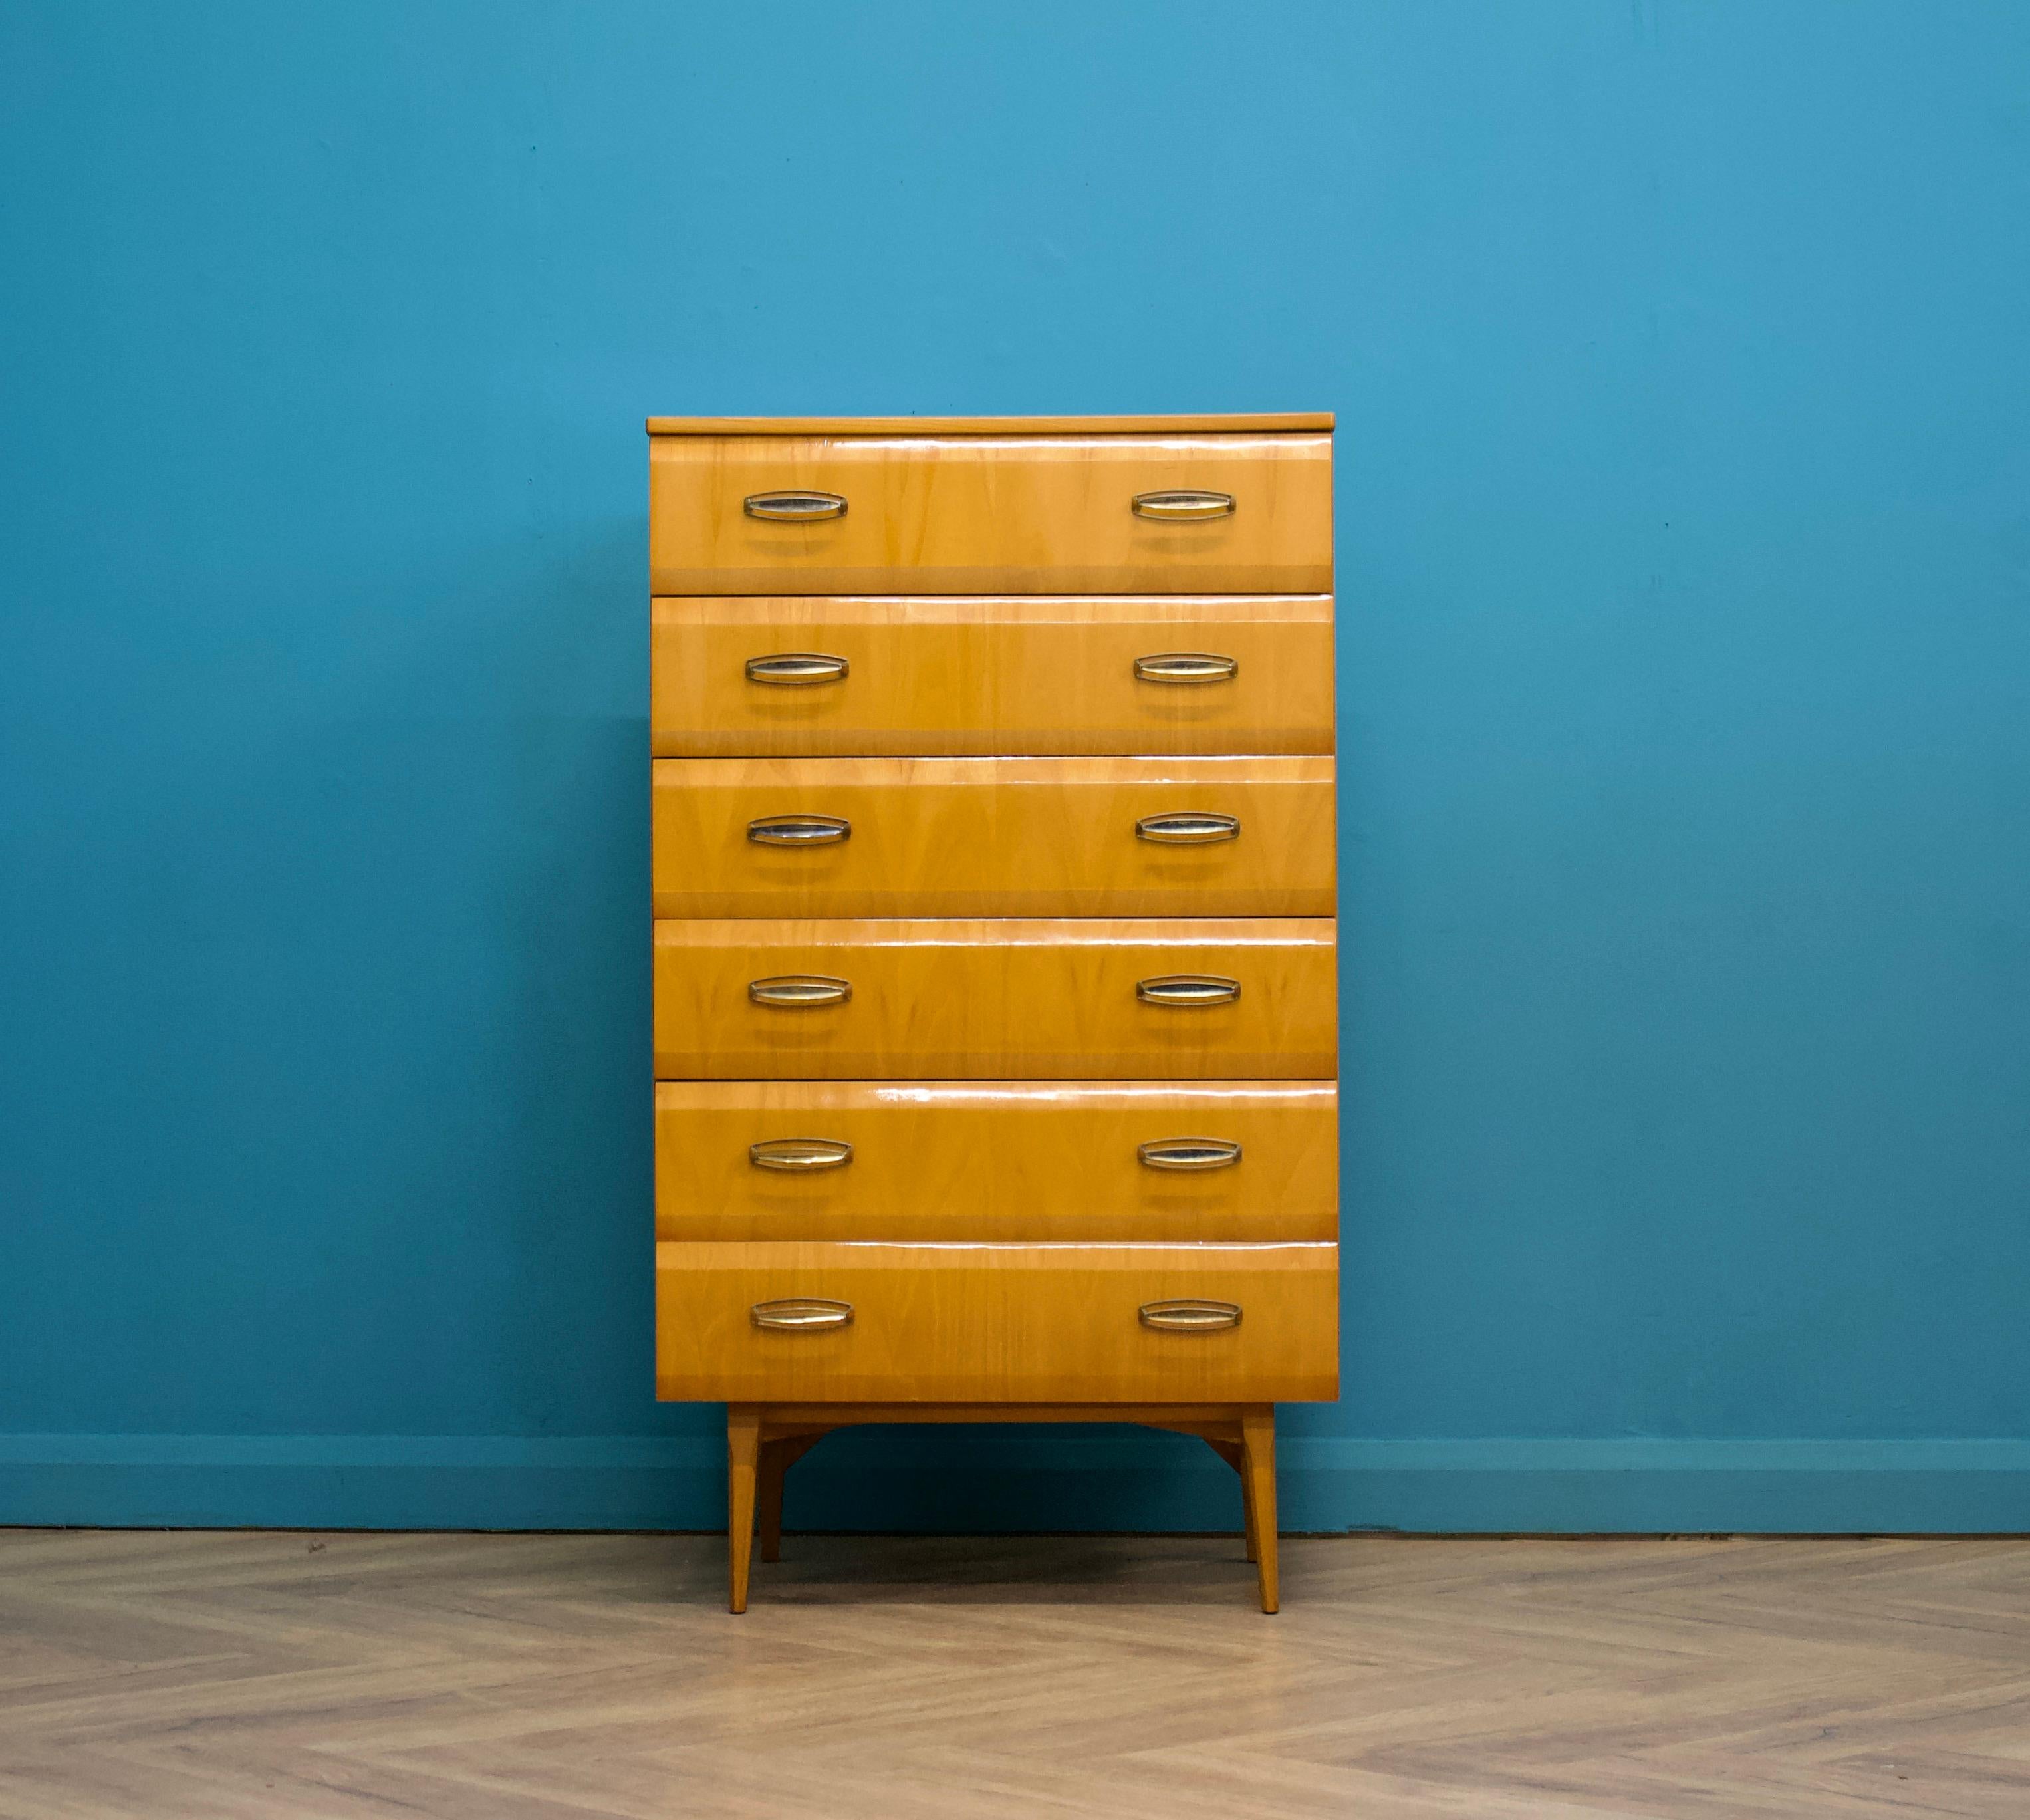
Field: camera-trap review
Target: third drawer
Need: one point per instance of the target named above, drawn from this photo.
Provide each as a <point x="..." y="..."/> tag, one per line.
<point x="1238" y="998"/>
<point x="957" y="837"/>
<point x="1125" y="1160"/>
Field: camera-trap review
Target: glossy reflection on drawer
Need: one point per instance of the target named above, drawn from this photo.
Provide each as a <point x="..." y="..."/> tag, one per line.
<point x="1017" y="675"/>
<point x="1015" y="998"/>
<point x="990" y="515"/>
<point x="984" y="1322"/>
<point x="999" y="1159"/>
<point x="987" y="837"/>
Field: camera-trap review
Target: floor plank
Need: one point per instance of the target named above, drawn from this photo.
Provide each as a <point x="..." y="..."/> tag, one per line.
<point x="599" y="1677"/>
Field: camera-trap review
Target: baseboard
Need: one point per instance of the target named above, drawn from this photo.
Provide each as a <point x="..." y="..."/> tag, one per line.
<point x="1019" y="1480"/>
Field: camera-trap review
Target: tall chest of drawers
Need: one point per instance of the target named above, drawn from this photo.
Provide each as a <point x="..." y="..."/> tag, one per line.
<point x="996" y="1022"/>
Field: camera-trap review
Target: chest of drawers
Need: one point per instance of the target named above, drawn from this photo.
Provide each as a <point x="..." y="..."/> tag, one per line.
<point x="995" y="1038"/>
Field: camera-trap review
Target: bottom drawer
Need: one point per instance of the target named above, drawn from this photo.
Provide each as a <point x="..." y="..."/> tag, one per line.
<point x="954" y="1324"/>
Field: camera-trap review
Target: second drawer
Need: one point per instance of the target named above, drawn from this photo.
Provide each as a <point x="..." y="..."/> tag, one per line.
<point x="1037" y="674"/>
<point x="956" y="837"/>
<point x="996" y="1159"/>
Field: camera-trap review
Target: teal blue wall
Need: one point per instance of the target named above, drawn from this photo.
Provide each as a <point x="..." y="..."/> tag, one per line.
<point x="1680" y="357"/>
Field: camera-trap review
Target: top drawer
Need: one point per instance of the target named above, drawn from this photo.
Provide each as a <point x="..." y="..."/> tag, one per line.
<point x="966" y="515"/>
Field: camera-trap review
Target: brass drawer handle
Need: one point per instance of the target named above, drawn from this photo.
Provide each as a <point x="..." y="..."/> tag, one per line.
<point x="1190" y="1315"/>
<point x="1187" y="828"/>
<point x="800" y="992"/>
<point x="1182" y="506"/>
<point x="807" y="1315"/>
<point x="799" y="1155"/>
<point x="796" y="505"/>
<point x="1188" y="989"/>
<point x="799" y="830"/>
<point x="798" y="668"/>
<point x="1185" y="667"/>
<point x="1189" y="1153"/>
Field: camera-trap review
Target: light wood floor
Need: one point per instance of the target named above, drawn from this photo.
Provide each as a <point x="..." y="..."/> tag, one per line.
<point x="551" y="1677"/>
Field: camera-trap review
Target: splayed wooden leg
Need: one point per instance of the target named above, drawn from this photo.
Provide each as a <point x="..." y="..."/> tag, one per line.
<point x="768" y="1499"/>
<point x="1258" y="1441"/>
<point x="743" y="1450"/>
<point x="1235" y="1456"/>
<point x="778" y="1454"/>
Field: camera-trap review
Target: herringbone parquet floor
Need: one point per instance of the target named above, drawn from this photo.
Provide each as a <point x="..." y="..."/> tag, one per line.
<point x="554" y="1678"/>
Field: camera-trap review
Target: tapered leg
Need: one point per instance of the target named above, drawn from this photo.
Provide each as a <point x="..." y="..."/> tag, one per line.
<point x="768" y="1497"/>
<point x="743" y="1451"/>
<point x="1247" y="1516"/>
<point x="1231" y="1452"/>
<point x="778" y="1456"/>
<point x="1258" y="1445"/>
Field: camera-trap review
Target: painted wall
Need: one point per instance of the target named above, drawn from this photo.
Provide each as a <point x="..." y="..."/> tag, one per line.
<point x="1679" y="352"/>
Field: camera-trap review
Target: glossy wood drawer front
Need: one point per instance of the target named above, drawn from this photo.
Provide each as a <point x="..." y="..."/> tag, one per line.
<point x="1002" y="1160"/>
<point x="976" y="515"/>
<point x="1020" y="1324"/>
<point x="1033" y="675"/>
<point x="843" y="999"/>
<point x="989" y="837"/>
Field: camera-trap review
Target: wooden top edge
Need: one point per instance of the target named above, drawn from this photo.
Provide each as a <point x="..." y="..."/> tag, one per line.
<point x="1241" y="423"/>
<point x="1316" y="597"/>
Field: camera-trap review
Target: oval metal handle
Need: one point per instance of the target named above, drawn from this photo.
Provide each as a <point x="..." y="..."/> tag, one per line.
<point x="795" y="505"/>
<point x="799" y="830"/>
<point x="1183" y="505"/>
<point x="800" y="992"/>
<point x="1188" y="827"/>
<point x="1187" y="1314"/>
<point x="803" y="1314"/>
<point x="799" y="1155"/>
<point x="1189" y="1153"/>
<point x="1188" y="989"/>
<point x="798" y="668"/>
<point x="1187" y="667"/>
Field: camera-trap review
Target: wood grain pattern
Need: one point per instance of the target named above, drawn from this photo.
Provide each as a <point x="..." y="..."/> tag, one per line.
<point x="194" y="1675"/>
<point x="1016" y="675"/>
<point x="998" y="1160"/>
<point x="1229" y="422"/>
<point x="1017" y="999"/>
<point x="992" y="837"/>
<point x="939" y="1323"/>
<point x="1018" y="515"/>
